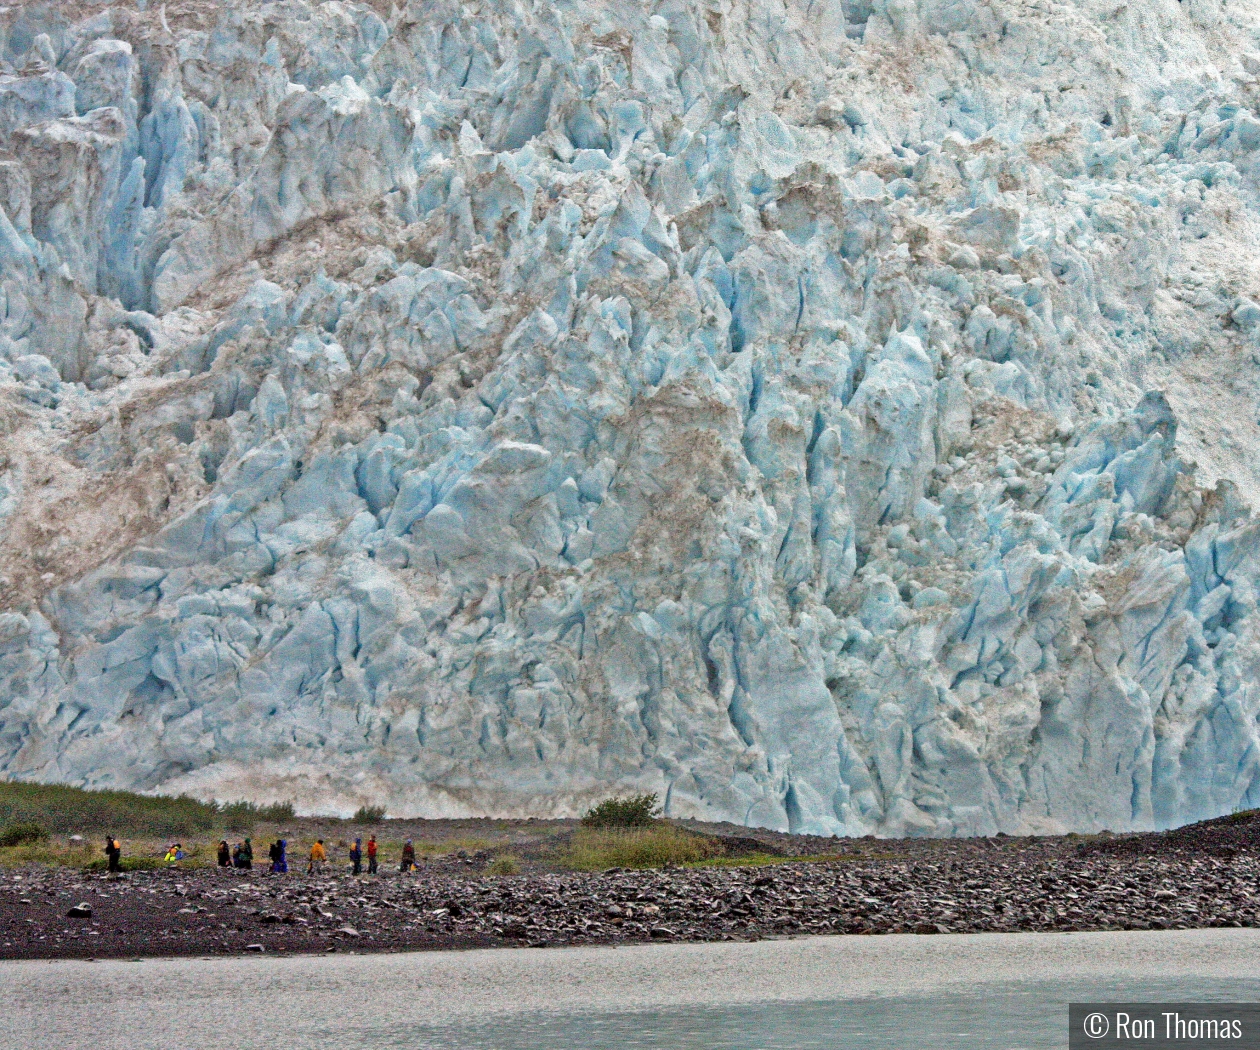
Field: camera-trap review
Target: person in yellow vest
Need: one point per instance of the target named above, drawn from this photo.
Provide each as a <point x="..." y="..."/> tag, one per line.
<point x="318" y="856"/>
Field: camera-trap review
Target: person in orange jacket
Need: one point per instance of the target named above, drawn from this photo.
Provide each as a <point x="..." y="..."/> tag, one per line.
<point x="371" y="848"/>
<point x="318" y="856"/>
<point x="113" y="850"/>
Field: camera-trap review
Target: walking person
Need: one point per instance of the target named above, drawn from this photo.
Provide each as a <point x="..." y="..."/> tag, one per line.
<point x="225" y="854"/>
<point x="408" y="858"/>
<point x="372" y="855"/>
<point x="113" y="851"/>
<point x="273" y="854"/>
<point x="356" y="857"/>
<point x="245" y="856"/>
<point x="280" y="865"/>
<point x="318" y="856"/>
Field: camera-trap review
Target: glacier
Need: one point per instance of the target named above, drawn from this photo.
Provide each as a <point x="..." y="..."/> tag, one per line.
<point x="833" y="415"/>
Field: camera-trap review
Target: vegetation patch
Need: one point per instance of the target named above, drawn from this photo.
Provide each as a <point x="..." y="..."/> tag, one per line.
<point x="661" y="846"/>
<point x="45" y="852"/>
<point x="369" y="815"/>
<point x="632" y="811"/>
<point x="242" y="816"/>
<point x="20" y="834"/>
<point x="61" y="809"/>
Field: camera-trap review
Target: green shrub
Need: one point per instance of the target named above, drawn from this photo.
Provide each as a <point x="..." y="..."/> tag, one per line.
<point x="505" y="865"/>
<point x="21" y="834"/>
<point x="633" y="811"/>
<point x="242" y="816"/>
<point x="654" y="847"/>
<point x="369" y="814"/>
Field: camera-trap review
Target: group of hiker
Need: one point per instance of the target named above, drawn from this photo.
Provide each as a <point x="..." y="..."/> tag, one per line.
<point x="239" y="856"/>
<point x="242" y="856"/>
<point x="319" y="857"/>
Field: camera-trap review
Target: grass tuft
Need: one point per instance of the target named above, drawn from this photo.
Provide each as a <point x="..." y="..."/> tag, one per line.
<point x="594" y="849"/>
<point x="504" y="865"/>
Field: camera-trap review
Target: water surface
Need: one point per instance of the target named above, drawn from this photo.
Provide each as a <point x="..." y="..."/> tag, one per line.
<point x="977" y="991"/>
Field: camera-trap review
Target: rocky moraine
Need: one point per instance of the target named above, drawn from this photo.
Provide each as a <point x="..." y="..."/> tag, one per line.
<point x="1203" y="876"/>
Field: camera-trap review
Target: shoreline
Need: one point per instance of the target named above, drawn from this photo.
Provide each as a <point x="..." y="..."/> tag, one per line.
<point x="1200" y="877"/>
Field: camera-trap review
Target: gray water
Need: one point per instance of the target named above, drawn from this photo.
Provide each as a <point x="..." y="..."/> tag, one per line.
<point x="1005" y="992"/>
<point x="1002" y="1017"/>
<point x="1013" y="1016"/>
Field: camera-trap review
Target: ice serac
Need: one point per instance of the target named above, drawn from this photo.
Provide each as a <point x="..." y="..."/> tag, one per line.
<point x="836" y="416"/>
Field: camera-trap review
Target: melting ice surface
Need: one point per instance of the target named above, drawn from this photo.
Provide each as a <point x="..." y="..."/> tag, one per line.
<point x="836" y="416"/>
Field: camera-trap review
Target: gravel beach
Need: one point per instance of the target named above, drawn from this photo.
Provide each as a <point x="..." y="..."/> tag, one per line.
<point x="1204" y="875"/>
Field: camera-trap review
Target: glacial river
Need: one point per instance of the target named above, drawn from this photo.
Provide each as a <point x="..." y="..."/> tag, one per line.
<point x="999" y="991"/>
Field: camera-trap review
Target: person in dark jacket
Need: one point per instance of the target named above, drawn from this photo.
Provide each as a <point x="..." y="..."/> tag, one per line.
<point x="281" y="864"/>
<point x="408" y="858"/>
<point x="356" y="857"/>
<point x="273" y="854"/>
<point x="113" y="851"/>
<point x="225" y="854"/>
<point x="247" y="855"/>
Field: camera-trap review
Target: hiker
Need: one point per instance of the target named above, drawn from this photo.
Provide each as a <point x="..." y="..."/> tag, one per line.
<point x="225" y="854"/>
<point x="356" y="857"/>
<point x="244" y="856"/>
<point x="408" y="858"/>
<point x="318" y="856"/>
<point x="236" y="855"/>
<point x="113" y="850"/>
<point x="174" y="853"/>
<point x="280" y="865"/>
<point x="372" y="855"/>
<point x="273" y="854"/>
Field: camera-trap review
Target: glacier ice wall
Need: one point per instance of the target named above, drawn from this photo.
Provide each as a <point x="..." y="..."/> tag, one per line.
<point x="836" y="416"/>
